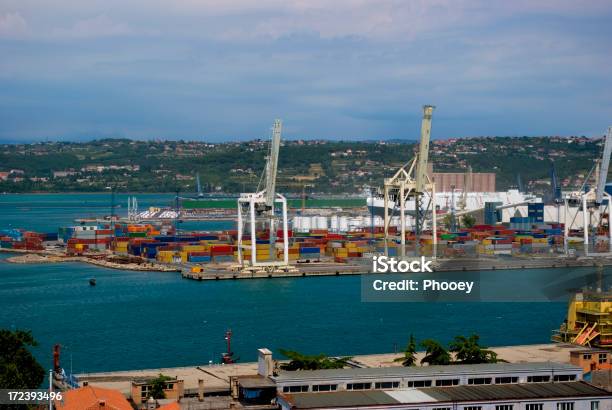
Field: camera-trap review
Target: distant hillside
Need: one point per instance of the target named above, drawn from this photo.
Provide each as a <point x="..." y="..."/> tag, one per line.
<point x="310" y="166"/>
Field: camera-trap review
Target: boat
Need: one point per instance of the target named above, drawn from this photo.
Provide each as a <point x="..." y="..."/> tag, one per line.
<point x="446" y="200"/>
<point x="92" y="282"/>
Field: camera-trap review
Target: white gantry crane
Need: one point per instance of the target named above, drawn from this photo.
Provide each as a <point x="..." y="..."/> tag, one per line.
<point x="261" y="204"/>
<point x="412" y="182"/>
<point x="590" y="202"/>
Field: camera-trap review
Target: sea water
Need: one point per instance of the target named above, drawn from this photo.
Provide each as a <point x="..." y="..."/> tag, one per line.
<point x="134" y="320"/>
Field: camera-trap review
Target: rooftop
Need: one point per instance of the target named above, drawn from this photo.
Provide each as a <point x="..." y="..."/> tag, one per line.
<point x="304" y="375"/>
<point x="91" y="398"/>
<point x="255" y="382"/>
<point x="443" y="394"/>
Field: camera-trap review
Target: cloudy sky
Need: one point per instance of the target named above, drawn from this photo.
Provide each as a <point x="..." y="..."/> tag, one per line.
<point x="343" y="69"/>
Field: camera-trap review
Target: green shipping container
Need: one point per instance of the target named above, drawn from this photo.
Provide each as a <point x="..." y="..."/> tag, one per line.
<point x="137" y="234"/>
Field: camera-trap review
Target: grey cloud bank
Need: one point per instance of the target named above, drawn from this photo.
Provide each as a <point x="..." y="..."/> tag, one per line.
<point x="342" y="69"/>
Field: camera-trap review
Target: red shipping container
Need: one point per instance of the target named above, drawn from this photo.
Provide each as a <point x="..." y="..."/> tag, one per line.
<point x="220" y="248"/>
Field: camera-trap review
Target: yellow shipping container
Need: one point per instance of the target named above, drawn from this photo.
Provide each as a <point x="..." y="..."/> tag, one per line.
<point x="194" y="248"/>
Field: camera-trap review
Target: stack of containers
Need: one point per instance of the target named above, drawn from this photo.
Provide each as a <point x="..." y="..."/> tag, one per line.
<point x="199" y="257"/>
<point x="293" y="251"/>
<point x="535" y="211"/>
<point x="80" y="245"/>
<point x="6" y="242"/>
<point x="539" y="243"/>
<point x="502" y="245"/>
<point x="310" y="253"/>
<point x="121" y="244"/>
<point x="33" y="241"/>
<point x="520" y="223"/>
<point x="223" y="252"/>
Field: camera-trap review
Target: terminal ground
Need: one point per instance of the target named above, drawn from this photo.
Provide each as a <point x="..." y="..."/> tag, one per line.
<point x="323" y="268"/>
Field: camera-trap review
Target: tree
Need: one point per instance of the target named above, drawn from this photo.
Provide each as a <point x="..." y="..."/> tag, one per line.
<point x="468" y="220"/>
<point x="299" y="361"/>
<point x="18" y="367"/>
<point x="435" y="353"/>
<point x="409" y="358"/>
<point x="467" y="350"/>
<point x="157" y="386"/>
<point x="447" y="220"/>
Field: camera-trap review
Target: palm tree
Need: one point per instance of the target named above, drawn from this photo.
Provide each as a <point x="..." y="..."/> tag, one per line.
<point x="299" y="361"/>
<point x="468" y="350"/>
<point x="409" y="358"/>
<point x="435" y="353"/>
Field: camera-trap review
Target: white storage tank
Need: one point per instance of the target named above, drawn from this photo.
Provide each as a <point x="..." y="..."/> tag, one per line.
<point x="354" y="223"/>
<point x="321" y="222"/>
<point x="305" y="225"/>
<point x="344" y="224"/>
<point x="334" y="223"/>
<point x="297" y="225"/>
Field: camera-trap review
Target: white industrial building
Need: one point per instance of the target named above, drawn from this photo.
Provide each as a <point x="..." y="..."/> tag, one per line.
<point x="424" y="376"/>
<point x="536" y="396"/>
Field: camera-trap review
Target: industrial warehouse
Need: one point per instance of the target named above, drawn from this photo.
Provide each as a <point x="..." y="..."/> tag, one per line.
<point x="529" y="384"/>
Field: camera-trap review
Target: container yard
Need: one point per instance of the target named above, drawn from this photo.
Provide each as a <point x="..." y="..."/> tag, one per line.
<point x="272" y="239"/>
<point x="312" y="250"/>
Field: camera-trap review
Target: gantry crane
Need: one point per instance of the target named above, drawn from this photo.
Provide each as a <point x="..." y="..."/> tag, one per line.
<point x="412" y="182"/>
<point x="262" y="204"/>
<point x="589" y="202"/>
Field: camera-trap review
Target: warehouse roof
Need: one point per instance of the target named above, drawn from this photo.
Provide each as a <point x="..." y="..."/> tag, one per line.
<point x="443" y="394"/>
<point x="255" y="382"/>
<point x="415" y="371"/>
<point x="515" y="391"/>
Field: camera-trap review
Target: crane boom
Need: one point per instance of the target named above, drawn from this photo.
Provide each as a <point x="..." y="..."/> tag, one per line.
<point x="603" y="170"/>
<point x="272" y="165"/>
<point x="421" y="169"/>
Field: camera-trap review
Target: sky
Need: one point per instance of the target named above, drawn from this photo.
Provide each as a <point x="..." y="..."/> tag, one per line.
<point x="220" y="70"/>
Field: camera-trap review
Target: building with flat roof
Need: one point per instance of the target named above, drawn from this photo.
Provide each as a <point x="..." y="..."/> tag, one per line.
<point x="425" y="376"/>
<point x="537" y="396"/>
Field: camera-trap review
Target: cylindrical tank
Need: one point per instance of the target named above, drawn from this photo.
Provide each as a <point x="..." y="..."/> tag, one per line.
<point x="305" y="224"/>
<point x="321" y="222"/>
<point x="333" y="223"/>
<point x="354" y="223"/>
<point x="297" y="226"/>
<point x="344" y="224"/>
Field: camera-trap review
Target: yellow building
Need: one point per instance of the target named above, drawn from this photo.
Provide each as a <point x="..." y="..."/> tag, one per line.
<point x="141" y="389"/>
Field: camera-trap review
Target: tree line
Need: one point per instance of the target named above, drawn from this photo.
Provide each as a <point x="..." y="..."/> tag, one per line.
<point x="461" y="350"/>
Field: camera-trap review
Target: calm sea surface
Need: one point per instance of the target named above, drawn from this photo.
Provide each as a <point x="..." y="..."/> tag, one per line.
<point x="141" y="320"/>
